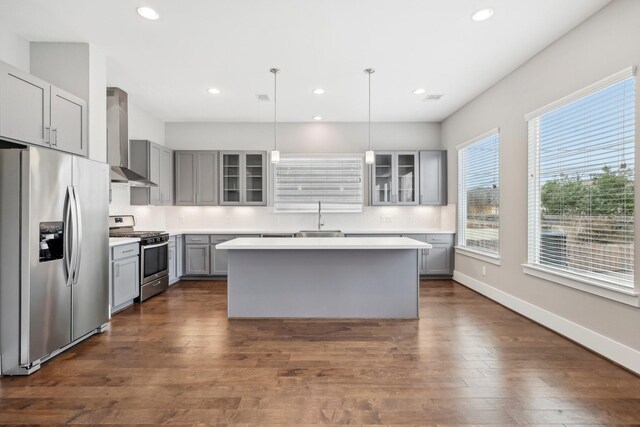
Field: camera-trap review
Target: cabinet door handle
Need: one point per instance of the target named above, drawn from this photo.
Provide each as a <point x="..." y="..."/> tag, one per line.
<point x="47" y="135"/>
<point x="54" y="139"/>
<point x="117" y="270"/>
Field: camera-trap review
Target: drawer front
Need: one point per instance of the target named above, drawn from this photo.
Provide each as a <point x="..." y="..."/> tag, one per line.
<point x="126" y="251"/>
<point x="220" y="238"/>
<point x="197" y="238"/>
<point x="440" y="238"/>
<point x="418" y="237"/>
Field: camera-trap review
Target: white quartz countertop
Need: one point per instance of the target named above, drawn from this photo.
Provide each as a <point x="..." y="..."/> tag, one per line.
<point x="117" y="241"/>
<point x="321" y="243"/>
<point x="290" y="231"/>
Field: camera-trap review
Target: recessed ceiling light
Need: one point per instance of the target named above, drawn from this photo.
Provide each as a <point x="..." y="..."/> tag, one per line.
<point x="318" y="91"/>
<point x="148" y="13"/>
<point x="213" y="91"/>
<point x="419" y="91"/>
<point x="317" y="118"/>
<point x="482" y="15"/>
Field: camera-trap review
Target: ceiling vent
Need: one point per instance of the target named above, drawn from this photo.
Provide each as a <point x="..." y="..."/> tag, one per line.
<point x="263" y="98"/>
<point x="432" y="97"/>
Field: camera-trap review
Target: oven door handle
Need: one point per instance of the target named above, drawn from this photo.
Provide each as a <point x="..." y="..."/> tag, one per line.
<point x="154" y="246"/>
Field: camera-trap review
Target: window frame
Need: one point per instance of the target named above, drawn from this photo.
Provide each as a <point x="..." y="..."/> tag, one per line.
<point x="318" y="156"/>
<point x="575" y="280"/>
<point x="461" y="248"/>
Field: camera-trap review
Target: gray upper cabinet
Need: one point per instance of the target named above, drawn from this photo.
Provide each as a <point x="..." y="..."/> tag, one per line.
<point x="35" y="112"/>
<point x="166" y="176"/>
<point x="394" y="178"/>
<point x="207" y="178"/>
<point x="185" y="177"/>
<point x="196" y="178"/>
<point x="24" y="107"/>
<point x="68" y="122"/>
<point x="155" y="163"/>
<point x="243" y="178"/>
<point x="433" y="178"/>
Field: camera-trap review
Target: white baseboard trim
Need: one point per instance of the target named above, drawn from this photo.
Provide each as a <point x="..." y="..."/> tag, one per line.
<point x="613" y="350"/>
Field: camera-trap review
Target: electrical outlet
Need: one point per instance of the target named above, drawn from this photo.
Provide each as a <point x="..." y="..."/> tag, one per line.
<point x="484" y="270"/>
<point x="181" y="219"/>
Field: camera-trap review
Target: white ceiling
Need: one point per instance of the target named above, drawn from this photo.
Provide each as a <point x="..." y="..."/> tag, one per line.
<point x="167" y="65"/>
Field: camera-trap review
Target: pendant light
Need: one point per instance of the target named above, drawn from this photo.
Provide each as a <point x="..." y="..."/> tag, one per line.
<point x="369" y="155"/>
<point x="275" y="154"/>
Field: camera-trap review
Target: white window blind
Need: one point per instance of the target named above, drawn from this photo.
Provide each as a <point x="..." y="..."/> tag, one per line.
<point x="479" y="194"/>
<point x="581" y="183"/>
<point x="301" y="181"/>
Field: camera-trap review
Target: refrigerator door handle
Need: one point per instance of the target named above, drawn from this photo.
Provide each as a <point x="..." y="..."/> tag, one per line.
<point x="78" y="233"/>
<point x="70" y="235"/>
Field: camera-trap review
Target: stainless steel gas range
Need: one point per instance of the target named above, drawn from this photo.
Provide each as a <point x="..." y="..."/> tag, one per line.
<point x="154" y="255"/>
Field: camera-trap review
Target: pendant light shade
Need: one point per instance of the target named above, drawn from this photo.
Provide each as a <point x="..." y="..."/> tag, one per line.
<point x="275" y="154"/>
<point x="369" y="155"/>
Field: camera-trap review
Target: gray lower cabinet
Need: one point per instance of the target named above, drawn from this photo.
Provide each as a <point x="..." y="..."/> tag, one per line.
<point x="196" y="178"/>
<point x="201" y="258"/>
<point x="125" y="275"/>
<point x="437" y="261"/>
<point x="197" y="259"/>
<point x="433" y="178"/>
<point x="179" y="256"/>
<point x="35" y="112"/>
<point x="172" y="260"/>
<point x="219" y="257"/>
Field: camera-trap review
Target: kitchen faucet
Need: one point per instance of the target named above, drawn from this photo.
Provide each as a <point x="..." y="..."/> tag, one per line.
<point x="320" y="223"/>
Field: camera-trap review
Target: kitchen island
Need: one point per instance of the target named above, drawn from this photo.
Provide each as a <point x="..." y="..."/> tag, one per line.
<point x="341" y="277"/>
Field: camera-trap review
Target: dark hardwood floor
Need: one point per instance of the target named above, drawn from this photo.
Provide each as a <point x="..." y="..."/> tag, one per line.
<point x="178" y="360"/>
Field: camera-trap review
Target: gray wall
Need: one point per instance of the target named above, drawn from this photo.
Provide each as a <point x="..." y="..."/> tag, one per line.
<point x="303" y="137"/>
<point x="604" y="44"/>
<point x="14" y="49"/>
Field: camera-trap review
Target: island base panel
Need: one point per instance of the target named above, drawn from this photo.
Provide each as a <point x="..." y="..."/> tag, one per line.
<point x="323" y="284"/>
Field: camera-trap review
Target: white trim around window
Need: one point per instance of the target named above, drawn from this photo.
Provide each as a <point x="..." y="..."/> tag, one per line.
<point x="576" y="238"/>
<point x="479" y="197"/>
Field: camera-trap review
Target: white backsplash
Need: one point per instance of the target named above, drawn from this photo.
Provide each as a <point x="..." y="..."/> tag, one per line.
<point x="263" y="218"/>
<point x="147" y="217"/>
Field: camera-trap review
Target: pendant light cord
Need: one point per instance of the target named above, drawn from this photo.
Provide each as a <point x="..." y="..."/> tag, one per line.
<point x="275" y="110"/>
<point x="369" y="111"/>
<point x="369" y="71"/>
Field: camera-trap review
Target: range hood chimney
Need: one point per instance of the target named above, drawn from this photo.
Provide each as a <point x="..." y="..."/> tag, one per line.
<point x="118" y="140"/>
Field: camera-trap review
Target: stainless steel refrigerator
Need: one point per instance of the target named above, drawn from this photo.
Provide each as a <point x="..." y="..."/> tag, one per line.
<point x="54" y="259"/>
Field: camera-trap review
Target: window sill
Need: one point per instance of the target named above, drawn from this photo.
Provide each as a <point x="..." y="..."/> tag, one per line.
<point x="492" y="259"/>
<point x="593" y="286"/>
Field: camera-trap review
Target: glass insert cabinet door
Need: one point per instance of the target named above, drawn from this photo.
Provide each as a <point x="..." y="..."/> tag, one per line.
<point x="406" y="171"/>
<point x="383" y="189"/>
<point x="230" y="170"/>
<point x="243" y="178"/>
<point x="254" y="178"/>
<point x="394" y="178"/>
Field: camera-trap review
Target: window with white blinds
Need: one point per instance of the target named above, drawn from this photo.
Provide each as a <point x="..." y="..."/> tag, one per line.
<point x="479" y="194"/>
<point x="301" y="181"/>
<point x="581" y="183"/>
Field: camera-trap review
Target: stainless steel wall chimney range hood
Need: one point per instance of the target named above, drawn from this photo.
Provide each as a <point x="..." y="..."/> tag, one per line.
<point x="118" y="140"/>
